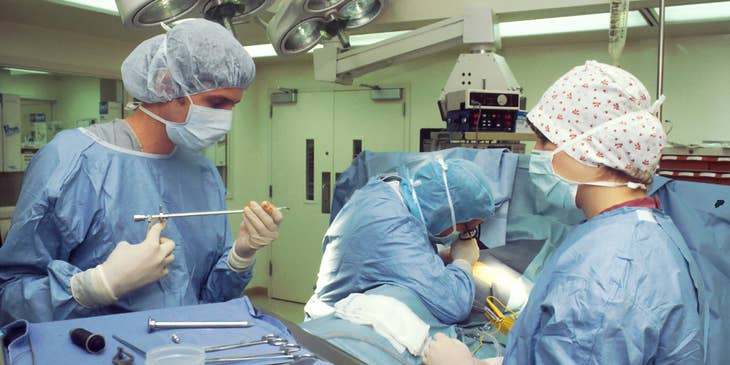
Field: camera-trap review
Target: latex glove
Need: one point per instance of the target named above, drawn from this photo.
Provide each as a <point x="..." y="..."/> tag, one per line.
<point x="127" y="268"/>
<point x="259" y="228"/>
<point x="467" y="250"/>
<point x="443" y="350"/>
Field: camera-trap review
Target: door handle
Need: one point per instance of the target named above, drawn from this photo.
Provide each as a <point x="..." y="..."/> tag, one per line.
<point x="326" y="188"/>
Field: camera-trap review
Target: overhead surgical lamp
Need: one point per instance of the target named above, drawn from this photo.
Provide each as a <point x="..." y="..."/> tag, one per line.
<point x="147" y="13"/>
<point x="301" y="24"/>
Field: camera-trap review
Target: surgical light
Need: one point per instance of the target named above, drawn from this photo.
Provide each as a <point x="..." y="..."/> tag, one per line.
<point x="163" y="10"/>
<point x="320" y="5"/>
<point x="301" y="24"/>
<point x="303" y="36"/>
<point x="360" y="12"/>
<point x="146" y="13"/>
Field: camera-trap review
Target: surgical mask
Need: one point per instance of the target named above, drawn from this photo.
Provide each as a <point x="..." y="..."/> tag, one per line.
<point x="203" y="127"/>
<point x="454" y="235"/>
<point x="558" y="191"/>
<point x="447" y="240"/>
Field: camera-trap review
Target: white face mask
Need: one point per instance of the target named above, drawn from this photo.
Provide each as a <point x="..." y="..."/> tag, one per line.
<point x="203" y="126"/>
<point x="558" y="190"/>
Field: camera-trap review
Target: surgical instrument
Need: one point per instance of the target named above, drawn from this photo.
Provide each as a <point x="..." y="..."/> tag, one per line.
<point x="153" y="325"/>
<point x="259" y="357"/>
<point x="133" y="347"/>
<point x="122" y="357"/>
<point x="175" y="338"/>
<point x="89" y="342"/>
<point x="150" y="217"/>
<point x="302" y="361"/>
<point x="267" y="339"/>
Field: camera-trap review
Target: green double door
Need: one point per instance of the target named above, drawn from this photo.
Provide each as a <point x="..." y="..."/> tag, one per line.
<point x="312" y="141"/>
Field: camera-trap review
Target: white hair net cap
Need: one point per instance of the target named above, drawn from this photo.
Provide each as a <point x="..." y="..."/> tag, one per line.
<point x="602" y="115"/>
<point x="193" y="57"/>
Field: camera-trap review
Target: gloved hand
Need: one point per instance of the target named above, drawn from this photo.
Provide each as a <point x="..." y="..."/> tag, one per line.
<point x="260" y="227"/>
<point x="127" y="268"/>
<point x="443" y="350"/>
<point x="467" y="250"/>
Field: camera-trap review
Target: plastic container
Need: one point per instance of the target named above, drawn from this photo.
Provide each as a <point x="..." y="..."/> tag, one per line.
<point x="176" y="355"/>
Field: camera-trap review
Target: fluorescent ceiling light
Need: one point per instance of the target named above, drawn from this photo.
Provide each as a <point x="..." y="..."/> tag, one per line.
<point x="101" y="6"/>
<point x="566" y="24"/>
<point x="22" y="71"/>
<point x="368" y="39"/>
<point x="697" y="12"/>
<point x="260" y="50"/>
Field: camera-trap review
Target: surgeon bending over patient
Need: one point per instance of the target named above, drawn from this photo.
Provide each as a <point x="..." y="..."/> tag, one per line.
<point x="386" y="234"/>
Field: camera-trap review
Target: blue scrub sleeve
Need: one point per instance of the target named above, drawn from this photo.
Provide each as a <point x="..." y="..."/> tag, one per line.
<point x="446" y="290"/>
<point x="46" y="227"/>
<point x="223" y="283"/>
<point x="583" y="323"/>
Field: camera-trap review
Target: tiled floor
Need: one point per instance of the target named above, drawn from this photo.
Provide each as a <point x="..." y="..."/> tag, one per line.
<point x="290" y="311"/>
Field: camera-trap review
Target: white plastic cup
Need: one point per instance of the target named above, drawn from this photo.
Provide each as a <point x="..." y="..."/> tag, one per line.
<point x="176" y="355"/>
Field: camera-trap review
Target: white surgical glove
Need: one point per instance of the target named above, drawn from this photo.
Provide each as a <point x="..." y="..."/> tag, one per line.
<point x="467" y="250"/>
<point x="127" y="268"/>
<point x="259" y="228"/>
<point x="443" y="350"/>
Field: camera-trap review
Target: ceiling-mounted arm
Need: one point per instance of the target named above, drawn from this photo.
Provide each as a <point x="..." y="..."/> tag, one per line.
<point x="475" y="28"/>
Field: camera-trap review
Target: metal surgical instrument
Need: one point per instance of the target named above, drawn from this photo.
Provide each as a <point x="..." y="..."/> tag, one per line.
<point x="267" y="339"/>
<point x="151" y="217"/>
<point x="133" y="347"/>
<point x="153" y="325"/>
<point x="259" y="357"/>
<point x="122" y="357"/>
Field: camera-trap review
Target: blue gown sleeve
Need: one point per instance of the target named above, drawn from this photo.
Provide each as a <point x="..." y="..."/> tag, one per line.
<point x="581" y="322"/>
<point x="223" y="283"/>
<point x="48" y="223"/>
<point x="405" y="258"/>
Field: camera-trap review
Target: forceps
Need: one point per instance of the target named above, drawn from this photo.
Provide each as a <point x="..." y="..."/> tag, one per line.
<point x="267" y="339"/>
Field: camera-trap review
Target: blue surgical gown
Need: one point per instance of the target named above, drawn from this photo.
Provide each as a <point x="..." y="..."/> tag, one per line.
<point x="622" y="288"/>
<point x="78" y="199"/>
<point x="374" y="240"/>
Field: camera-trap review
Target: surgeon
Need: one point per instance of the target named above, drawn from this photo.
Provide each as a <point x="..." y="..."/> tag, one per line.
<point x="388" y="232"/>
<point x="622" y="288"/>
<point x="68" y="252"/>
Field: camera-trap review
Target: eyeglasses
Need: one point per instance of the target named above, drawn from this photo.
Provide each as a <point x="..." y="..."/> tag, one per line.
<point x="469" y="234"/>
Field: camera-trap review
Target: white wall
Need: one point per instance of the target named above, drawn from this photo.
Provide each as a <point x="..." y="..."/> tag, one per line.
<point x="29" y="86"/>
<point x="78" y="98"/>
<point x="696" y="78"/>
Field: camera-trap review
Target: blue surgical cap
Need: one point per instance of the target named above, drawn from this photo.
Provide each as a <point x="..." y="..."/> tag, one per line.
<point x="193" y="57"/>
<point x="468" y="188"/>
